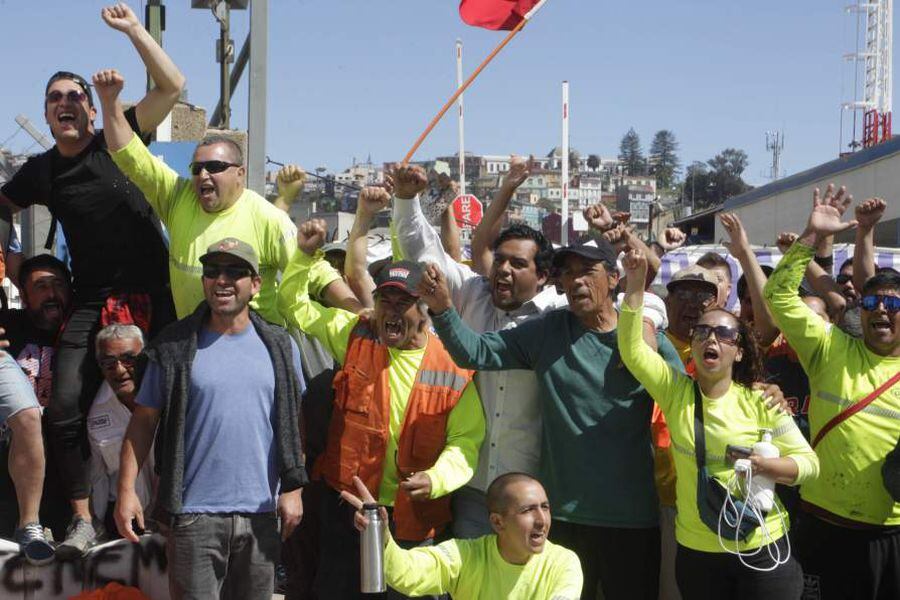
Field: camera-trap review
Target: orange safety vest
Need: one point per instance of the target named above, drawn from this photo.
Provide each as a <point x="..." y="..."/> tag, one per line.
<point x="359" y="428"/>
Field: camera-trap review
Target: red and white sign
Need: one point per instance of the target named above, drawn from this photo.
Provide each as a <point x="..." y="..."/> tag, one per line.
<point x="468" y="211"/>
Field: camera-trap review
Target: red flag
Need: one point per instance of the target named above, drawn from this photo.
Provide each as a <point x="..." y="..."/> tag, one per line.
<point x="495" y="14"/>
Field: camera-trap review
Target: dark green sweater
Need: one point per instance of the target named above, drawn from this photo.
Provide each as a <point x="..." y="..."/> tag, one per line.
<point x="596" y="452"/>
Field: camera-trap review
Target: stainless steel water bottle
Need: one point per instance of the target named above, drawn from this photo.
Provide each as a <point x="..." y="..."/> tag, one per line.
<point x="371" y="552"/>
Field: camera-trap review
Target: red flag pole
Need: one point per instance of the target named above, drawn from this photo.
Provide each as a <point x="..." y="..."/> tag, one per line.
<point x="469" y="81"/>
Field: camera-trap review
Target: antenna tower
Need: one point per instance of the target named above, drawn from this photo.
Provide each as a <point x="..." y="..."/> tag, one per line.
<point x="775" y="145"/>
<point x="874" y="26"/>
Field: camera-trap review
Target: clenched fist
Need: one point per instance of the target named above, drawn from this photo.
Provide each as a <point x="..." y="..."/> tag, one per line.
<point x="109" y="84"/>
<point x="311" y="236"/>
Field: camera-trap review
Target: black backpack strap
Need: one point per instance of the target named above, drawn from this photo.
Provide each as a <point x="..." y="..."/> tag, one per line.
<point x="699" y="437"/>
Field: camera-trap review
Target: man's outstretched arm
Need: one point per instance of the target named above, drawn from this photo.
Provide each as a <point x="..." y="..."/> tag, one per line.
<point x="168" y="80"/>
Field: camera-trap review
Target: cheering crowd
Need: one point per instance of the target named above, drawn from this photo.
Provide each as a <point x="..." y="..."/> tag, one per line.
<point x="533" y="423"/>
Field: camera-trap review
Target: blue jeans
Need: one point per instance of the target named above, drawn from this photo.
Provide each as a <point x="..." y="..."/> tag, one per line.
<point x="222" y="555"/>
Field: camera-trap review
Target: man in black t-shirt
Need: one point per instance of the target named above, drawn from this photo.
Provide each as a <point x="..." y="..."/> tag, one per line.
<point x="119" y="258"/>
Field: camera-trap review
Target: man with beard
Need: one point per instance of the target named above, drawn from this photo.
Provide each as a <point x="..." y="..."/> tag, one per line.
<point x="211" y="205"/>
<point x="596" y="418"/>
<point x="224" y="386"/>
<point x="406" y="419"/>
<point x="117" y="349"/>
<point x="513" y="292"/>
<point x="849" y="541"/>
<point x="119" y="257"/>
<point x="31" y="332"/>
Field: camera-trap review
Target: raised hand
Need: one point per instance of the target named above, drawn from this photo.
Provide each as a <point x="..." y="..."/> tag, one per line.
<point x="372" y="200"/>
<point x="290" y="181"/>
<point x="311" y="236"/>
<point x="635" y="264"/>
<point x="619" y="236"/>
<point x="108" y="83"/>
<point x="409" y="181"/>
<point x="739" y="246"/>
<point x="672" y="239"/>
<point x="120" y="17"/>
<point x="519" y="171"/>
<point x="825" y="218"/>
<point x="870" y="212"/>
<point x="433" y="289"/>
<point x="785" y="240"/>
<point x="598" y="217"/>
<point x="358" y="500"/>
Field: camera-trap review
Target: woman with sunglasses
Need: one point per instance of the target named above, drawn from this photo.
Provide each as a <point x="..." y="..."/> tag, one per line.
<point x="727" y="361"/>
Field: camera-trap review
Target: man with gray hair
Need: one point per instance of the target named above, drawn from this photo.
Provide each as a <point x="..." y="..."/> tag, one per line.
<point x="117" y="349"/>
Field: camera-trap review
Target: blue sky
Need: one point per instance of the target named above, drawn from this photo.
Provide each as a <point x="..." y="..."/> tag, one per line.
<point x="354" y="77"/>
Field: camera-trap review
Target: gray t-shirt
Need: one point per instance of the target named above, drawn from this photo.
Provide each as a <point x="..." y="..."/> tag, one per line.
<point x="230" y="452"/>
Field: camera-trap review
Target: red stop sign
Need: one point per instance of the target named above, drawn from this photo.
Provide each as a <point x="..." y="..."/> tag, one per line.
<point x="468" y="211"/>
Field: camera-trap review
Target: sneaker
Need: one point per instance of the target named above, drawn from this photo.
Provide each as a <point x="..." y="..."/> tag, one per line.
<point x="80" y="537"/>
<point x="34" y="545"/>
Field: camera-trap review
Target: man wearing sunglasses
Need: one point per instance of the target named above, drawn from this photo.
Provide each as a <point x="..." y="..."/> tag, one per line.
<point x="223" y="386"/>
<point x="117" y="349"/>
<point x="212" y="204"/>
<point x="691" y="291"/>
<point x="113" y="238"/>
<point x="849" y="540"/>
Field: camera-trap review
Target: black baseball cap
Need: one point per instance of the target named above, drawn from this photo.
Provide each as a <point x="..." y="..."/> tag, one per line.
<point x="78" y="79"/>
<point x="404" y="275"/>
<point x="599" y="250"/>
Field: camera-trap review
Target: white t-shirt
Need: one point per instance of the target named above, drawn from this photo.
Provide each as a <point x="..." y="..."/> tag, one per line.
<point x="106" y="425"/>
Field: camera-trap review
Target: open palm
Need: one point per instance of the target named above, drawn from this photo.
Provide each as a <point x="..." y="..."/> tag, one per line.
<point x="825" y="218"/>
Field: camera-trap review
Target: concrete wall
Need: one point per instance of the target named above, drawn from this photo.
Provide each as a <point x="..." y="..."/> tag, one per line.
<point x="789" y="210"/>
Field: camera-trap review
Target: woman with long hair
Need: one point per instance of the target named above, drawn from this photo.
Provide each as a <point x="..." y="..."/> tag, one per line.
<point x="738" y="551"/>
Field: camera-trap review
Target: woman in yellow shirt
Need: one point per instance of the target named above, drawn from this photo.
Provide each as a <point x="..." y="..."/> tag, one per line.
<point x="729" y="412"/>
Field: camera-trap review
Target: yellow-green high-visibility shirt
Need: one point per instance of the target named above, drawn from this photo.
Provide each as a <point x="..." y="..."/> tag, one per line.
<point x="842" y="371"/>
<point x="332" y="327"/>
<point x="734" y="418"/>
<point x="475" y="570"/>
<point x="252" y="219"/>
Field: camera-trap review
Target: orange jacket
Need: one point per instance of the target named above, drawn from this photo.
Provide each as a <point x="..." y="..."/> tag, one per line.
<point x="359" y="429"/>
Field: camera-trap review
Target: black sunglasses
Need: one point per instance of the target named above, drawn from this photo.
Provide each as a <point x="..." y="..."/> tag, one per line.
<point x="72" y="96"/>
<point x="725" y="334"/>
<point x="230" y="271"/>
<point x="842" y="278"/>
<point x="891" y="303"/>
<point x="211" y="166"/>
<point x="128" y="361"/>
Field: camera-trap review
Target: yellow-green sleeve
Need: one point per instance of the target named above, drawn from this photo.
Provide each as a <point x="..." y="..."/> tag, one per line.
<point x="465" y="432"/>
<point x="156" y="180"/>
<point x="566" y="580"/>
<point x="321" y="275"/>
<point x="807" y="333"/>
<point x="648" y="367"/>
<point x="423" y="571"/>
<point x="791" y="444"/>
<point x="331" y="326"/>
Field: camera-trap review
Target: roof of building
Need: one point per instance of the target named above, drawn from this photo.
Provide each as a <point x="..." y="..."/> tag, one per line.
<point x="829" y="169"/>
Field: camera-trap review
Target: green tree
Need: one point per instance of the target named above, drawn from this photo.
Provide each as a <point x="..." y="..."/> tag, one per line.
<point x="664" y="158"/>
<point x="574" y="161"/>
<point x="593" y="162"/>
<point x="713" y="182"/>
<point x="630" y="154"/>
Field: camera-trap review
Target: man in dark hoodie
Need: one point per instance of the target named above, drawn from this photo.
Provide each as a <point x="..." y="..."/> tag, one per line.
<point x="224" y="386"/>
